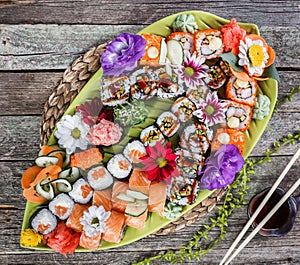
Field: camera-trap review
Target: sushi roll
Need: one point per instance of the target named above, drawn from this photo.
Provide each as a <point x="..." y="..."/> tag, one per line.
<point x="81" y="192"/>
<point x="208" y="43"/>
<point x="168" y="123"/>
<point x="241" y="91"/>
<point x="183" y="191"/>
<point x="238" y="116"/>
<point x="134" y="150"/>
<point x="196" y="138"/>
<point x="44" y="222"/>
<point x="195" y="95"/>
<point x="86" y="159"/>
<point x="183" y="108"/>
<point x="216" y="78"/>
<point x="61" y="206"/>
<point x="153" y="49"/>
<point x="150" y="135"/>
<point x="115" y="90"/>
<point x="185" y="39"/>
<point x="225" y="67"/>
<point x="119" y="167"/>
<point x="99" y="178"/>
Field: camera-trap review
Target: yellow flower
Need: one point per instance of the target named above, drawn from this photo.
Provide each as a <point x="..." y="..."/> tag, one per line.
<point x="256" y="55"/>
<point x="30" y="238"/>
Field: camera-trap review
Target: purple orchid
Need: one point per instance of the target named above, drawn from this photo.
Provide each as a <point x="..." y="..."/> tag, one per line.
<point x="220" y="169"/>
<point x="122" y="54"/>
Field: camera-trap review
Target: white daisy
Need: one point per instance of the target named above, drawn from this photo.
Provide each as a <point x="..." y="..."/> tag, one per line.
<point x="71" y="133"/>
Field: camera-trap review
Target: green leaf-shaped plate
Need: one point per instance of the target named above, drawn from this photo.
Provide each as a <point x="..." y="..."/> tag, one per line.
<point x="91" y="89"/>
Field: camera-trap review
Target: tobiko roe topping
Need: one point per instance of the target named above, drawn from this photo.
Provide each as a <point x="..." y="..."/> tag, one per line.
<point x="105" y="133"/>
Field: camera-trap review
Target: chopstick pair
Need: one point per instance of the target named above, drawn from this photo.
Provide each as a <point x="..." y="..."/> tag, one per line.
<point x="226" y="260"/>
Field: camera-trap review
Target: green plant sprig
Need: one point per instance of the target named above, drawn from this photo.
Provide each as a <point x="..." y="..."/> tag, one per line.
<point x="287" y="98"/>
<point x="233" y="200"/>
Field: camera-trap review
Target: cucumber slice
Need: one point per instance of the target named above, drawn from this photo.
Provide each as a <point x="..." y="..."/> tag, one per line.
<point x="137" y="195"/>
<point x="163" y="52"/>
<point x="124" y="197"/>
<point x="152" y="52"/>
<point x="66" y="161"/>
<point x="45" y="190"/>
<point x="136" y="208"/>
<point x="175" y="52"/>
<point x="45" y="161"/>
<point x="62" y="185"/>
<point x="70" y="174"/>
<point x="62" y="152"/>
<point x="64" y="174"/>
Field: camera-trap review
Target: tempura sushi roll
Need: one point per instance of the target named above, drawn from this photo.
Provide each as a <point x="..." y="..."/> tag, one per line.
<point x="134" y="150"/>
<point x="119" y="167"/>
<point x="238" y="116"/>
<point x="150" y="135"/>
<point x="61" y="206"/>
<point x="183" y="108"/>
<point x="99" y="178"/>
<point x="168" y="123"/>
<point x="216" y="78"/>
<point x="153" y="49"/>
<point x="195" y="95"/>
<point x="82" y="192"/>
<point x="44" y="222"/>
<point x="241" y="91"/>
<point x="186" y="39"/>
<point x="208" y="43"/>
<point x="115" y="90"/>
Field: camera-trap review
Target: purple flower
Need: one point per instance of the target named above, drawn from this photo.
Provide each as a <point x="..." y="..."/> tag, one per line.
<point x="220" y="169"/>
<point x="123" y="53"/>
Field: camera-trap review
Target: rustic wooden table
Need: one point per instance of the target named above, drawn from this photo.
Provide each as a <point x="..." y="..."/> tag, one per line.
<point x="40" y="38"/>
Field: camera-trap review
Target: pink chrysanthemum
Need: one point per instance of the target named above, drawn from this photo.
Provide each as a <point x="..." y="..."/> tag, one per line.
<point x="160" y="163"/>
<point x="192" y="71"/>
<point x="211" y="110"/>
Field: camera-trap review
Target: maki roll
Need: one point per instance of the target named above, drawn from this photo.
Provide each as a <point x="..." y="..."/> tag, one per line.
<point x="99" y="178"/>
<point x="183" y="108"/>
<point x="238" y="116"/>
<point x="150" y="135"/>
<point x="119" y="167"/>
<point x="44" y="222"/>
<point x="208" y="43"/>
<point x="225" y="67"/>
<point x="216" y="78"/>
<point x="195" y="95"/>
<point x="241" y="91"/>
<point x="168" y="123"/>
<point x="115" y="90"/>
<point x="61" y="206"/>
<point x="186" y="39"/>
<point x="134" y="150"/>
<point x="154" y="48"/>
<point x="81" y="192"/>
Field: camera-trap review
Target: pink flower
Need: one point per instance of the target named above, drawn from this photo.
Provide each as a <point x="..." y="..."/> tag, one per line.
<point x="232" y="33"/>
<point x="105" y="133"/>
<point x="160" y="163"/>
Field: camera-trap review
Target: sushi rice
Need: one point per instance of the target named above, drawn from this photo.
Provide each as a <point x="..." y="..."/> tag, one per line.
<point x="44" y="222"/>
<point x="61" y="206"/>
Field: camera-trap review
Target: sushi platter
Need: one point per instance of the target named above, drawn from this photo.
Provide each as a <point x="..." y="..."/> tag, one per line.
<point x="169" y="118"/>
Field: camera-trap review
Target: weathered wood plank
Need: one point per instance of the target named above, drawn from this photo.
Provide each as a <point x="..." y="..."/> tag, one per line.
<point x="140" y="11"/>
<point x="11" y="220"/>
<point x="42" y="47"/>
<point x="24" y="93"/>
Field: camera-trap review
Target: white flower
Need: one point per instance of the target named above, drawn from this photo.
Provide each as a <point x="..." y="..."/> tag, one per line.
<point x="253" y="54"/>
<point x="93" y="220"/>
<point x="71" y="133"/>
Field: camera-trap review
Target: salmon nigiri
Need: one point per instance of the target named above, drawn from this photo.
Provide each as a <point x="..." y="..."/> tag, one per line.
<point x="103" y="197"/>
<point x="114" y="227"/>
<point x="157" y="197"/>
<point x="139" y="181"/>
<point x="118" y="204"/>
<point x="90" y="242"/>
<point x="74" y="219"/>
<point x="136" y="222"/>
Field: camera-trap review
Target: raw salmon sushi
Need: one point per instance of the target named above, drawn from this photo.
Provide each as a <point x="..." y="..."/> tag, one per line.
<point x="136" y="222"/>
<point x="74" y="219"/>
<point x="103" y="197"/>
<point x="117" y="204"/>
<point x="157" y="197"/>
<point x="86" y="159"/>
<point x="139" y="181"/>
<point x="114" y="227"/>
<point x="90" y="242"/>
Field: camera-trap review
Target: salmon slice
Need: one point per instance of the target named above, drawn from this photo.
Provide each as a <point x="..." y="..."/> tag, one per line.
<point x="74" y="219"/>
<point x="139" y="181"/>
<point x="86" y="159"/>
<point x="114" y="227"/>
<point x="157" y="197"/>
<point x="90" y="242"/>
<point x="103" y="197"/>
<point x="136" y="222"/>
<point x="117" y="204"/>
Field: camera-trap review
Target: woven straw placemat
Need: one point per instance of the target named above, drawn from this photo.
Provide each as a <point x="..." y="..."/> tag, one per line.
<point x="73" y="80"/>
